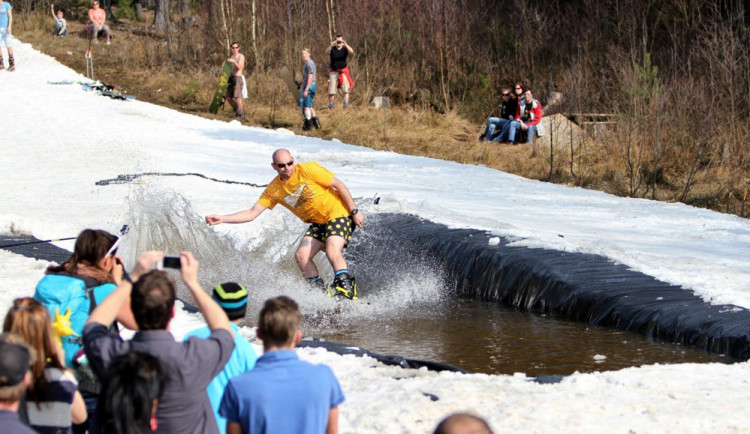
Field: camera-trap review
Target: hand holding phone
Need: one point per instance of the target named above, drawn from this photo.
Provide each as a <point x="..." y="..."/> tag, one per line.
<point x="170" y="262"/>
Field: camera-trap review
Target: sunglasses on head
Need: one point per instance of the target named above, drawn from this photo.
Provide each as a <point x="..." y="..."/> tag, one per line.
<point x="113" y="249"/>
<point x="283" y="165"/>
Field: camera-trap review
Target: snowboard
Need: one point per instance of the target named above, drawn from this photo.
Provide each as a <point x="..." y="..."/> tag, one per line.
<point x="288" y="78"/>
<point x="222" y="88"/>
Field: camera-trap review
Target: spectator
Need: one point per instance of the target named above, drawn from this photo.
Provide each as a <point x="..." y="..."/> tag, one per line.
<point x="190" y="366"/>
<point x="6" y="34"/>
<point x="308" y="91"/>
<point x="528" y="116"/>
<point x="232" y="297"/>
<point x="71" y="291"/>
<point x="15" y="359"/>
<point x="134" y="385"/>
<point x="61" y="26"/>
<point x="53" y="400"/>
<point x="518" y="89"/>
<point x="97" y="18"/>
<point x="502" y="123"/>
<point x="282" y="394"/>
<point x="237" y="88"/>
<point x="463" y="423"/>
<point x="339" y="74"/>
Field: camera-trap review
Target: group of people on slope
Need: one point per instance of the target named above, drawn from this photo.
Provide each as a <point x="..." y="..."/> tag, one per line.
<point x="520" y="117"/>
<point x="339" y="78"/>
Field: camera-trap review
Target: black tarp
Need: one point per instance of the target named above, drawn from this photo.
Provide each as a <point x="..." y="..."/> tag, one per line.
<point x="582" y="287"/>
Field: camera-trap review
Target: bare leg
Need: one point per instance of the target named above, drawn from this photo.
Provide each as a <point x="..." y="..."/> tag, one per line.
<point x="232" y="103"/>
<point x="346" y="98"/>
<point x="335" y="252"/>
<point x="308" y="248"/>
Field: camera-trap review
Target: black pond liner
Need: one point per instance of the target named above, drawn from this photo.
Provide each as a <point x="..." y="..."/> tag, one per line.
<point x="583" y="287"/>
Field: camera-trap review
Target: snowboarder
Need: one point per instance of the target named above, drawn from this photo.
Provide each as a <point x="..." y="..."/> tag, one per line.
<point x="314" y="195"/>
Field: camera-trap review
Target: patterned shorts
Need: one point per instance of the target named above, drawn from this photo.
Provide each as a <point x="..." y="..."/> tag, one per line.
<point x="342" y="227"/>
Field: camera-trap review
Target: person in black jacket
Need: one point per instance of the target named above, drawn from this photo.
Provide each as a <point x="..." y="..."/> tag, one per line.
<point x="507" y="114"/>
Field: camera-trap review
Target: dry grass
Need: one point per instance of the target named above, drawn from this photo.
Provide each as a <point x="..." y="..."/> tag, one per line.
<point x="134" y="62"/>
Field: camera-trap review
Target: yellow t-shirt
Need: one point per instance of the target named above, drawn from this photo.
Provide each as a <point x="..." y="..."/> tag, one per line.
<point x="307" y="193"/>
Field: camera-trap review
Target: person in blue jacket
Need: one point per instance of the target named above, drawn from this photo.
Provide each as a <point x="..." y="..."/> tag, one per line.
<point x="70" y="291"/>
<point x="232" y="297"/>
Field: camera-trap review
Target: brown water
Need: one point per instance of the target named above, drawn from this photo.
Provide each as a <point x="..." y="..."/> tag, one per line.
<point x="485" y="337"/>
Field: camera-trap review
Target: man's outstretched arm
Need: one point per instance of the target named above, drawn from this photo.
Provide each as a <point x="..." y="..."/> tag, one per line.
<point x="245" y="216"/>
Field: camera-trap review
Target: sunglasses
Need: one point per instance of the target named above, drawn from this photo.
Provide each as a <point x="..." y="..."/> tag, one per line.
<point x="283" y="165"/>
<point x="113" y="249"/>
<point x="124" y="230"/>
<point x="506" y="94"/>
<point x="234" y="48"/>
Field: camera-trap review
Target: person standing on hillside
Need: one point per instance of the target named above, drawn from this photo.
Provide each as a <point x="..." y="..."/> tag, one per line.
<point x="6" y="31"/>
<point x="97" y="17"/>
<point x="237" y="88"/>
<point x="314" y="195"/>
<point x="307" y="94"/>
<point x="528" y="115"/>
<point x="339" y="74"/>
<point x="502" y="123"/>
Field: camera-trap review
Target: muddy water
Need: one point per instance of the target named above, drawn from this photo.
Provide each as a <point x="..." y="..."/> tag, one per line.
<point x="484" y="337"/>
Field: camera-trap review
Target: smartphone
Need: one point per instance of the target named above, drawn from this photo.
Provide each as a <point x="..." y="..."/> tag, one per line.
<point x="170" y="262"/>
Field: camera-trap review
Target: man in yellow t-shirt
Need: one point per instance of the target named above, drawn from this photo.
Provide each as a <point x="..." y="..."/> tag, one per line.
<point x="314" y="195"/>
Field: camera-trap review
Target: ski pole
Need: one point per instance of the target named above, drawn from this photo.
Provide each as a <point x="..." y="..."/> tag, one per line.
<point x="28" y="243"/>
<point x="123" y="231"/>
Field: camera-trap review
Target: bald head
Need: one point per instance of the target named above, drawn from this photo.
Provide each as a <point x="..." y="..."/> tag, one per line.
<point x="283" y="163"/>
<point x="463" y="423"/>
<point x="281" y="155"/>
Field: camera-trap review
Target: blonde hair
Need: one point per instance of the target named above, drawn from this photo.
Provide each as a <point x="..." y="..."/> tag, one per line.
<point x="28" y="319"/>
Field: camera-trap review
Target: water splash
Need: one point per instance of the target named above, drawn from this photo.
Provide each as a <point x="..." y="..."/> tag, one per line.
<point x="392" y="281"/>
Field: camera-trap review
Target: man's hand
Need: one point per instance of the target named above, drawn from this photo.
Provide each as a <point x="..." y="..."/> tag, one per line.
<point x="359" y="220"/>
<point x="524" y="126"/>
<point x="304" y="93"/>
<point x="189" y="270"/>
<point x="145" y="262"/>
<point x="230" y="60"/>
<point x="213" y="219"/>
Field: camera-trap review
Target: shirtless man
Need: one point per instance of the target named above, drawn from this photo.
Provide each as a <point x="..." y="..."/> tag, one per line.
<point x="236" y="80"/>
<point x="314" y="195"/>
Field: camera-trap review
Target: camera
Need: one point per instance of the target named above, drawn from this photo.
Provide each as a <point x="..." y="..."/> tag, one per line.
<point x="170" y="262"/>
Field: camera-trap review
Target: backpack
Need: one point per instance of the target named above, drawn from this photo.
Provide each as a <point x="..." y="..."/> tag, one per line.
<point x="69" y="300"/>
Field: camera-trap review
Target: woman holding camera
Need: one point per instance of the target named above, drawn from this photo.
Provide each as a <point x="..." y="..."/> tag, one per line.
<point x="72" y="290"/>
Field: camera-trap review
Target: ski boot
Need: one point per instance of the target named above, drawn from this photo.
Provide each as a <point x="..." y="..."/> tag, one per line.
<point x="316" y="283"/>
<point x="306" y="125"/>
<point x="316" y="123"/>
<point x="343" y="286"/>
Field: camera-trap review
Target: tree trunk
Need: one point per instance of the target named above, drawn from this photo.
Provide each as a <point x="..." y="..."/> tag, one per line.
<point x="138" y="8"/>
<point x="161" y="16"/>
